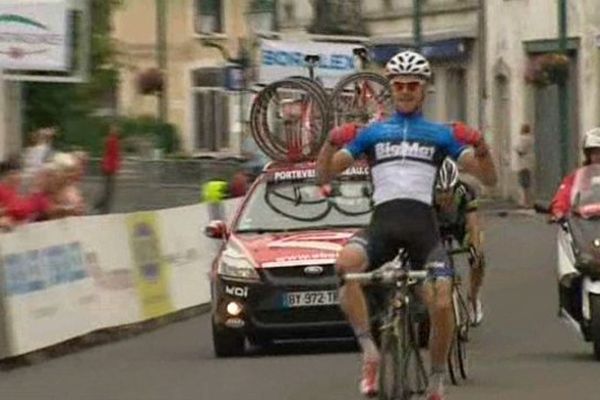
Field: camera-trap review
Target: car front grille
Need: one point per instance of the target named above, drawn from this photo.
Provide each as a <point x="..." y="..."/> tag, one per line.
<point x="301" y="315"/>
<point x="302" y="272"/>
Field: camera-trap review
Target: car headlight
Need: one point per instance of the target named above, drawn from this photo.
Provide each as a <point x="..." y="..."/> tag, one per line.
<point x="237" y="266"/>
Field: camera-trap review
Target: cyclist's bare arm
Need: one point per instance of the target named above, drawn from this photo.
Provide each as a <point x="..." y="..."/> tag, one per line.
<point x="331" y="162"/>
<point x="482" y="166"/>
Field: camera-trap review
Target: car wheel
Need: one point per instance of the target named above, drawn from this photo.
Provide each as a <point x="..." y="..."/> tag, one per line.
<point x="227" y="342"/>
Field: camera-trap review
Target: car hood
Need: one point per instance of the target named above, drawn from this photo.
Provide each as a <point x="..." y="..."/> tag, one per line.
<point x="296" y="248"/>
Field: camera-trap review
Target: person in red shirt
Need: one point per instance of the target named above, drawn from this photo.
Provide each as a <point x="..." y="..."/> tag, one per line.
<point x="111" y="164"/>
<point x="561" y="203"/>
<point x="17" y="208"/>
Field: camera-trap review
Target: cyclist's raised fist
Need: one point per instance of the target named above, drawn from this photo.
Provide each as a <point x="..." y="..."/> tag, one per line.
<point x="465" y="134"/>
<point x="343" y="134"/>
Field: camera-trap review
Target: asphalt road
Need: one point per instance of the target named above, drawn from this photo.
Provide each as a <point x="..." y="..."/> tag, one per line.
<point x="521" y="352"/>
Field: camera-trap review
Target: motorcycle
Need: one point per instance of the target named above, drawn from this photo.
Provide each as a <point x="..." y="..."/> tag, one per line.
<point x="578" y="266"/>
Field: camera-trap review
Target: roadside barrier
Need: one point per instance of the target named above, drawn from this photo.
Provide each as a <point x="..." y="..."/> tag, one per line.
<point x="66" y="278"/>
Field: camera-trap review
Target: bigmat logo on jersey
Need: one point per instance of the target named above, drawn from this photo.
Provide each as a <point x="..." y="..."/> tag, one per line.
<point x="404" y="149"/>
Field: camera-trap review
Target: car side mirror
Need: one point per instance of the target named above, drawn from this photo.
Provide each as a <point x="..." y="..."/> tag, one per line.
<point x="216" y="230"/>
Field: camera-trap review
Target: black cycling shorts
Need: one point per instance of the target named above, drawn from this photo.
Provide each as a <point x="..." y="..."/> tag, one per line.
<point x="407" y="224"/>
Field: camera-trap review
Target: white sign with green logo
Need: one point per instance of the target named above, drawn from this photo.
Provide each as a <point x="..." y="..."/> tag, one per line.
<point x="33" y="35"/>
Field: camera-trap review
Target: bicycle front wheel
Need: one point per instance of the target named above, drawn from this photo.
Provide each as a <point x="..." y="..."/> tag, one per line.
<point x="390" y="366"/>
<point x="402" y="374"/>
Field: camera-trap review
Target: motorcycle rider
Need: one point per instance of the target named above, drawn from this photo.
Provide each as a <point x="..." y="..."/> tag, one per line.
<point x="561" y="203"/>
<point x="569" y="285"/>
<point x="404" y="152"/>
<point x="456" y="204"/>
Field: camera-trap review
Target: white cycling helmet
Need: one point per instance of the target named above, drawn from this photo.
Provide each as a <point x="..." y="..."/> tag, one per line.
<point x="591" y="139"/>
<point x="408" y="63"/>
<point x="447" y="175"/>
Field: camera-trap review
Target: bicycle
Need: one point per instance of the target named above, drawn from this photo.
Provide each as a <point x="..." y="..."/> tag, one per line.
<point x="290" y="118"/>
<point x="363" y="96"/>
<point x="296" y="107"/>
<point x="402" y="373"/>
<point x="457" y="357"/>
<point x="292" y="194"/>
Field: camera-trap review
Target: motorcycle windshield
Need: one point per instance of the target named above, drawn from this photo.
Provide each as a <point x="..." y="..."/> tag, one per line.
<point x="586" y="192"/>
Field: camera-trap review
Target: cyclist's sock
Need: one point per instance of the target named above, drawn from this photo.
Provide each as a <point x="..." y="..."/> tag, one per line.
<point x="436" y="380"/>
<point x="367" y="344"/>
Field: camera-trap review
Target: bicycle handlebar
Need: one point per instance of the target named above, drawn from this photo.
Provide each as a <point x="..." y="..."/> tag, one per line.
<point x="384" y="276"/>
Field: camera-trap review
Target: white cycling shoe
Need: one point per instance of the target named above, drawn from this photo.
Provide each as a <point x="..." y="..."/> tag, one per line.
<point x="476" y="312"/>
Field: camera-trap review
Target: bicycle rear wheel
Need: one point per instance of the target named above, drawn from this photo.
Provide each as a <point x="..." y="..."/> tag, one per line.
<point x="290" y="116"/>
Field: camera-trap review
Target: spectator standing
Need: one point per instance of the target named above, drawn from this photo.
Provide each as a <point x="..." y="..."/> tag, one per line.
<point x="111" y="164"/>
<point x="68" y="194"/>
<point x="38" y="152"/>
<point x="525" y="163"/>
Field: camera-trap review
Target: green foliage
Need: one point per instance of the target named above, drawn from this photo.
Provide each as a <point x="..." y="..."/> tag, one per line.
<point x="83" y="133"/>
<point x="69" y="105"/>
<point x="164" y="135"/>
<point x="88" y="133"/>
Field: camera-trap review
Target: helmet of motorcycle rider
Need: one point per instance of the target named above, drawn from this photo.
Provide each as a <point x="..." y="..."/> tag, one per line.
<point x="408" y="63"/>
<point x="591" y="140"/>
<point x="447" y="177"/>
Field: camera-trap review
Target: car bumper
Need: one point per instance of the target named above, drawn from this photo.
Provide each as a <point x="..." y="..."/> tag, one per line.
<point x="264" y="314"/>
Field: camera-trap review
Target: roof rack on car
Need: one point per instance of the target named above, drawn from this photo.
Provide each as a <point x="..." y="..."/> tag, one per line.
<point x="288" y="165"/>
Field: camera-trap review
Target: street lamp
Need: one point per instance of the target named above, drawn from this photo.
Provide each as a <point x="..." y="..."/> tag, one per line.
<point x="161" y="57"/>
<point x="563" y="91"/>
<point x="260" y="16"/>
<point x="417" y="28"/>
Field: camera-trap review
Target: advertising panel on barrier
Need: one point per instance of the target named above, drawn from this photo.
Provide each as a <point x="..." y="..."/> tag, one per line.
<point x="281" y="59"/>
<point x="109" y="263"/>
<point x="48" y="293"/>
<point x="188" y="254"/>
<point x="151" y="274"/>
<point x="33" y="35"/>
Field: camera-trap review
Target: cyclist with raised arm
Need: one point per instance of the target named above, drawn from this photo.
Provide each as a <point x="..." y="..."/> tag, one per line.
<point x="405" y="153"/>
<point x="456" y="204"/>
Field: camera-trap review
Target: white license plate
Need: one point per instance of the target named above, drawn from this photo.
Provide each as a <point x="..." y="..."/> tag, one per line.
<point x="308" y="299"/>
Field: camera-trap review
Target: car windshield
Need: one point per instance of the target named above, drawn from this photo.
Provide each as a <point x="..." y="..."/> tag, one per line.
<point x="300" y="205"/>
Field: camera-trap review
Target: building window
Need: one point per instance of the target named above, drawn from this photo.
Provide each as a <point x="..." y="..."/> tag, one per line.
<point x="289" y="12"/>
<point x="456" y="94"/>
<point x="261" y="15"/>
<point x="211" y="110"/>
<point x="209" y="16"/>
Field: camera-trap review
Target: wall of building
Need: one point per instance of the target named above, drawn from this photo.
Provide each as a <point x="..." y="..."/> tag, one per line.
<point x="185" y="52"/>
<point x="512" y="24"/>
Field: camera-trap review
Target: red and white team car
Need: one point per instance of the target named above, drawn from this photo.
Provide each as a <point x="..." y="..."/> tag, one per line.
<point x="274" y="276"/>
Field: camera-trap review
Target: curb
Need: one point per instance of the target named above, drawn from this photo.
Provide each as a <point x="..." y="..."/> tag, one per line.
<point x="100" y="337"/>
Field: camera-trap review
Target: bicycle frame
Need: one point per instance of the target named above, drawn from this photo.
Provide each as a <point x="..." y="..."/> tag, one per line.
<point x="397" y="330"/>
